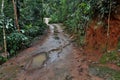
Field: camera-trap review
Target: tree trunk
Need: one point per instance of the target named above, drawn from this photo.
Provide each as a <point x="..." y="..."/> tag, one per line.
<point x="108" y="30"/>
<point x="15" y="15"/>
<point x="4" y="34"/>
<point x="18" y="9"/>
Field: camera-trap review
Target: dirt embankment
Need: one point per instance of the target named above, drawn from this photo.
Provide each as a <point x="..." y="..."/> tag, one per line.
<point x="97" y="35"/>
<point x="97" y="41"/>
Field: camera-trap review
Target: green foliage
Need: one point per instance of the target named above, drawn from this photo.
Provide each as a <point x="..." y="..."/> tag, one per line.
<point x="16" y="41"/>
<point x="77" y="14"/>
<point x="54" y="19"/>
<point x="105" y="72"/>
<point x="31" y="12"/>
<point x="101" y="8"/>
<point x="78" y="21"/>
<point x="30" y="17"/>
<point x="74" y="14"/>
<point x="111" y="56"/>
<point x="33" y="31"/>
<point x="2" y="60"/>
<point x="118" y="43"/>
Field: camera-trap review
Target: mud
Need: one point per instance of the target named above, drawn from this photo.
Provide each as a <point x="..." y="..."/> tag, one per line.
<point x="51" y="59"/>
<point x="52" y="64"/>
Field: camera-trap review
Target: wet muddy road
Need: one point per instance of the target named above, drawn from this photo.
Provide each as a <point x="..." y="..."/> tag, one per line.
<point x="49" y="61"/>
<point x="54" y="58"/>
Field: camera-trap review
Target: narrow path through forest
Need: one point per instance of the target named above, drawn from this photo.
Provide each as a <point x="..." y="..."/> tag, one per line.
<point x="53" y="58"/>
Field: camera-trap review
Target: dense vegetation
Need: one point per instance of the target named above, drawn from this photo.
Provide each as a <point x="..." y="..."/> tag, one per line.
<point x="20" y="22"/>
<point x="78" y="15"/>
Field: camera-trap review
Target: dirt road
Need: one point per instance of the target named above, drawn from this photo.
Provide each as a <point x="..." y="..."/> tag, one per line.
<point x="52" y="58"/>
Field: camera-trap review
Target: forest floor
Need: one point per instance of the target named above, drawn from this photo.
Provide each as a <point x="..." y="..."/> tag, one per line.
<point x="54" y="57"/>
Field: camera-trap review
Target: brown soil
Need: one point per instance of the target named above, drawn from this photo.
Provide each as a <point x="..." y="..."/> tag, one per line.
<point x="55" y="57"/>
<point x="96" y="37"/>
<point x="96" y="40"/>
<point x="65" y="61"/>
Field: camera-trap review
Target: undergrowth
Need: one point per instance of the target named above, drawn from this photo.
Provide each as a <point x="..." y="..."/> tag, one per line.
<point x="111" y="57"/>
<point x="104" y="72"/>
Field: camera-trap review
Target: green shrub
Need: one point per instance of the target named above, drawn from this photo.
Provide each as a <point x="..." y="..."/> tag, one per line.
<point x="111" y="56"/>
<point x="54" y="19"/>
<point x="118" y="43"/>
<point x="16" y="41"/>
<point x="104" y="72"/>
<point x="2" y="60"/>
<point x="34" y="31"/>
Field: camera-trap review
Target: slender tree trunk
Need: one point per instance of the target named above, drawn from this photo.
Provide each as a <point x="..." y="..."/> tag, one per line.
<point x="18" y="9"/>
<point x="15" y="15"/>
<point x="42" y="10"/>
<point x="108" y="30"/>
<point x="4" y="34"/>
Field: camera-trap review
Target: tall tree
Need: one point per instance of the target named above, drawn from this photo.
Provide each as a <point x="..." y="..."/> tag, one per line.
<point x="16" y="15"/>
<point x="4" y="34"/>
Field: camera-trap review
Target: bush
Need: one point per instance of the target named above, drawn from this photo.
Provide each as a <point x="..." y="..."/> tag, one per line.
<point x="2" y="60"/>
<point x="34" y="31"/>
<point x="109" y="57"/>
<point x="16" y="41"/>
<point x="54" y="19"/>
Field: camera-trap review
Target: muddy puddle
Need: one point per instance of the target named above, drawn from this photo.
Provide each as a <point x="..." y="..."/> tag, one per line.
<point x="39" y="60"/>
<point x="43" y="59"/>
<point x="46" y="58"/>
<point x="51" y="51"/>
